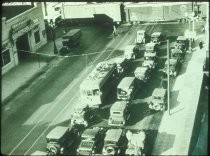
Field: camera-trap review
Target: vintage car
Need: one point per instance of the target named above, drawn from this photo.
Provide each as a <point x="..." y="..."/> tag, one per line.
<point x="157" y="101"/>
<point x="136" y="142"/>
<point x="91" y="141"/>
<point x="151" y="48"/>
<point x="115" y="142"/>
<point x="122" y="65"/>
<point x="61" y="139"/>
<point x="174" y="66"/>
<point x="150" y="60"/>
<point x="177" y="54"/>
<point x="119" y="113"/>
<point x="182" y="43"/>
<point x="82" y="115"/>
<point x="157" y="38"/>
<point x="127" y="88"/>
<point x="131" y="52"/>
<point x="143" y="73"/>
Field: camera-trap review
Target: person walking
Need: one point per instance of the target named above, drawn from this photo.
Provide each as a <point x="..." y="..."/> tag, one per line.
<point x="201" y="44"/>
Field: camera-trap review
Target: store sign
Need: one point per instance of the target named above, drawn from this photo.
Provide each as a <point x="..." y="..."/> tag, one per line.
<point x="22" y="27"/>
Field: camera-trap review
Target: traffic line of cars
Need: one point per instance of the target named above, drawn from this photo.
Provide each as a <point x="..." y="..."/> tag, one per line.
<point x="113" y="140"/>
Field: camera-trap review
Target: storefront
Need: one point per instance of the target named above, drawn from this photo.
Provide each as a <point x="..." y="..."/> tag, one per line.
<point x="22" y="35"/>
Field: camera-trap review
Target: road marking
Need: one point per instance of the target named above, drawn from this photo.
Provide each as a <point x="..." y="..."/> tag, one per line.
<point x="64" y="95"/>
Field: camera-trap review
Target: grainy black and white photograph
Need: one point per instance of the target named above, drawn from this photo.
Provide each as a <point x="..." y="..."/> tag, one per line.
<point x="104" y="78"/>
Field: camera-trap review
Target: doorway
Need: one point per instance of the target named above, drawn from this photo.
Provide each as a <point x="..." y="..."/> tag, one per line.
<point x="23" y="47"/>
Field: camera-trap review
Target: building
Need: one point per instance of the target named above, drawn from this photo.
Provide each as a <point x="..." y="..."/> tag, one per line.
<point x="23" y="30"/>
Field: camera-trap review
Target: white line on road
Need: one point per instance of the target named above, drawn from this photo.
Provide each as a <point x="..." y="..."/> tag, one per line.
<point x="63" y="96"/>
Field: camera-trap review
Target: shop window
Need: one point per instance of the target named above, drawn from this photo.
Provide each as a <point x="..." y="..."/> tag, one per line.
<point x="37" y="36"/>
<point x="5" y="57"/>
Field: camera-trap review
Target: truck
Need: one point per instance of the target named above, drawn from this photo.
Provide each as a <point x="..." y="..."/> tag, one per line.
<point x="119" y="113"/>
<point x="141" y="37"/>
<point x="91" y="141"/>
<point x="71" y="38"/>
<point x="158" y="99"/>
<point x="115" y="142"/>
<point x="127" y="88"/>
<point x="136" y="142"/>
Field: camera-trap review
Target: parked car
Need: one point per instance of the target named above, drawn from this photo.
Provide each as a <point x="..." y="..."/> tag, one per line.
<point x="72" y="38"/>
<point x="151" y="48"/>
<point x="82" y="115"/>
<point x="182" y="43"/>
<point x="119" y="113"/>
<point x="61" y="139"/>
<point x="158" y="99"/>
<point x="136" y="142"/>
<point x="174" y="66"/>
<point x="115" y="142"/>
<point x="91" y="141"/>
<point x="177" y="54"/>
<point x="157" y="37"/>
<point x="150" y="60"/>
<point x="143" y="73"/>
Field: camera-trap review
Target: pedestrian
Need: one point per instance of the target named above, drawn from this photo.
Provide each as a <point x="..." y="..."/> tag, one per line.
<point x="201" y="44"/>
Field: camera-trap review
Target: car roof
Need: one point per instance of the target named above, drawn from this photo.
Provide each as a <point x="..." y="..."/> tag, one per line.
<point x="118" y="106"/>
<point x="142" y="69"/>
<point x="126" y="82"/>
<point x="113" y="135"/>
<point x="141" y="31"/>
<point x="57" y="132"/>
<point x="91" y="132"/>
<point x="181" y="38"/>
<point x="159" y="92"/>
<point x="150" y="44"/>
<point x="172" y="61"/>
<point x="156" y="34"/>
<point x="148" y="54"/>
<point x="176" y="50"/>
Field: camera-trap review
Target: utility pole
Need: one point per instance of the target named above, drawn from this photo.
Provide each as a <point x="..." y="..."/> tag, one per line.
<point x="65" y="30"/>
<point x="168" y="77"/>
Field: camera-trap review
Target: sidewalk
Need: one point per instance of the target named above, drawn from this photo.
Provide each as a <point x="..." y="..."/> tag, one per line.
<point x="21" y="76"/>
<point x="177" y="127"/>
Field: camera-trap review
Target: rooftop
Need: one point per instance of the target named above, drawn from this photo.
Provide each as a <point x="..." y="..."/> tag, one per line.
<point x="118" y="106"/>
<point x="126" y="82"/>
<point x="11" y="11"/>
<point x="113" y="135"/>
<point x="90" y="133"/>
<point x="159" y="92"/>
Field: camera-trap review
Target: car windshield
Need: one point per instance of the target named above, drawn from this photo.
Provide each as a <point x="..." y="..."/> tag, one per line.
<point x="157" y="97"/>
<point x="116" y="113"/>
<point x="108" y="142"/>
<point x="52" y="140"/>
<point x="121" y="92"/>
<point x="149" y="58"/>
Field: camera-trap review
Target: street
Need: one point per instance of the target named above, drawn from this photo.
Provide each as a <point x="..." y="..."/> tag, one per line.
<point x="33" y="114"/>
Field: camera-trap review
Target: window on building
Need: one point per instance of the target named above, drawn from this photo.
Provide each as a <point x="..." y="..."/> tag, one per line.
<point x="37" y="36"/>
<point x="5" y="57"/>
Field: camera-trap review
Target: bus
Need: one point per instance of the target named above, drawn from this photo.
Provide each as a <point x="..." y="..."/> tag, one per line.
<point x="98" y="84"/>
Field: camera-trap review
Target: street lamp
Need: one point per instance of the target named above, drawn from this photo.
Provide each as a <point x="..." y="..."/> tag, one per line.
<point x="52" y="25"/>
<point x="65" y="29"/>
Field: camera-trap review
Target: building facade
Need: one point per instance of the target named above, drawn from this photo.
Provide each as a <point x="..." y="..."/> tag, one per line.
<point x="21" y="34"/>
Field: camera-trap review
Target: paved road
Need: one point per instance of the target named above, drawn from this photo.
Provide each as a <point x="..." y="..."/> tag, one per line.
<point x="52" y="102"/>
